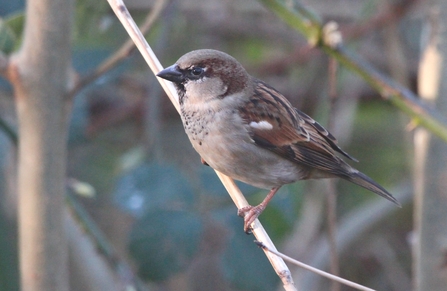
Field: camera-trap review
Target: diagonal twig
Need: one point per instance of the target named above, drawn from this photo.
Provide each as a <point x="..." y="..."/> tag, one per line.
<point x="304" y="21"/>
<point x="123" y="52"/>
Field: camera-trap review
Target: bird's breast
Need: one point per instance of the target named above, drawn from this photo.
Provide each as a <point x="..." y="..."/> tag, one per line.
<point x="223" y="141"/>
<point x="197" y="124"/>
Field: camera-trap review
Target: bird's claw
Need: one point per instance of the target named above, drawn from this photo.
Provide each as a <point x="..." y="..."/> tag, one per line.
<point x="250" y="214"/>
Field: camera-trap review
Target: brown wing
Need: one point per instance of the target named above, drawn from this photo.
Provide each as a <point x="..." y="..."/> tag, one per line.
<point x="329" y="138"/>
<point x="275" y="125"/>
<point x="293" y="135"/>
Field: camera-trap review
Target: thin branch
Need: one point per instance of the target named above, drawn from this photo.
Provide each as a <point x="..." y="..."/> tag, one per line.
<point x="137" y="37"/>
<point x="315" y="270"/>
<point x="123" y="14"/>
<point x="302" y="54"/>
<point x="127" y="278"/>
<point x="123" y="52"/>
<point x="401" y="97"/>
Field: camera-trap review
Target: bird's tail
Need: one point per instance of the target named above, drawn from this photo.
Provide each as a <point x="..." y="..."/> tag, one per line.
<point x="366" y="182"/>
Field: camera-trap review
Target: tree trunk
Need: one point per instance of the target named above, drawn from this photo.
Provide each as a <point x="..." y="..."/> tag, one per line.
<point x="40" y="74"/>
<point x="430" y="250"/>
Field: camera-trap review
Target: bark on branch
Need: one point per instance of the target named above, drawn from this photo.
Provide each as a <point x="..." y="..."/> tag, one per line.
<point x="39" y="73"/>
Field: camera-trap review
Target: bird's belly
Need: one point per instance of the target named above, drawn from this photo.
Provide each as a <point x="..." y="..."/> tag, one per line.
<point x="222" y="140"/>
<point x="241" y="159"/>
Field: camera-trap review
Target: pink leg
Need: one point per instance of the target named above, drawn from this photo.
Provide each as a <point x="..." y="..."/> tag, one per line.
<point x="251" y="213"/>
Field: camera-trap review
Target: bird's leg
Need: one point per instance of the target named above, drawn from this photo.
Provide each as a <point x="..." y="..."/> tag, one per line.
<point x="251" y="213"/>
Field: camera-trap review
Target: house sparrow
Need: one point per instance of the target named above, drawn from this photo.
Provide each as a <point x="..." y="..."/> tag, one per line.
<point x="247" y="130"/>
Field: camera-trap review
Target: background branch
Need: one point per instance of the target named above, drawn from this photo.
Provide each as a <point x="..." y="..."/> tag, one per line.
<point x="430" y="161"/>
<point x="99" y="256"/>
<point x="309" y="25"/>
<point x="39" y="74"/>
<point x="123" y="52"/>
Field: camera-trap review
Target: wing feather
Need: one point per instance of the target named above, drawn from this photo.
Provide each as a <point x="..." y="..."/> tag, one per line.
<point x="293" y="134"/>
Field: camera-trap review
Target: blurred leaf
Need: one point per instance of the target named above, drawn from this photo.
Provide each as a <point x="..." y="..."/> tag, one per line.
<point x="11" y="29"/>
<point x="7" y="37"/>
<point x="132" y="158"/>
<point x="164" y="242"/>
<point x="81" y="188"/>
<point x="152" y="186"/>
<point x="16" y="23"/>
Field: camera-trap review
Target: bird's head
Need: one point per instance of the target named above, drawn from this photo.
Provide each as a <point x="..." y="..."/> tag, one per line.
<point x="205" y="75"/>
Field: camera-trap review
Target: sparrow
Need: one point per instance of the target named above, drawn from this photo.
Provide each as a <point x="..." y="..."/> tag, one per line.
<point x="247" y="130"/>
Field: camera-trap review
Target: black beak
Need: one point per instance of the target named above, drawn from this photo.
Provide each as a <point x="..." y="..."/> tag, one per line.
<point x="172" y="74"/>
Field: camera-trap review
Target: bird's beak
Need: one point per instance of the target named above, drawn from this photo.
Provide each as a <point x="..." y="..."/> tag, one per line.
<point x="172" y="74"/>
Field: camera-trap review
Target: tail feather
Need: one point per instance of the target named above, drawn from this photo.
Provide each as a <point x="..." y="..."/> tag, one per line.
<point x="366" y="182"/>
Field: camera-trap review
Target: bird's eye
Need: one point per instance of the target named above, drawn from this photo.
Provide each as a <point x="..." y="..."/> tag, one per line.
<point x="197" y="71"/>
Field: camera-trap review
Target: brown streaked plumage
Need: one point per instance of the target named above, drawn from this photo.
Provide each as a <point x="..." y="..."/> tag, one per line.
<point x="247" y="130"/>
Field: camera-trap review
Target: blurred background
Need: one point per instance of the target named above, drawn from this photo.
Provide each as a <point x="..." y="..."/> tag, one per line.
<point x="132" y="170"/>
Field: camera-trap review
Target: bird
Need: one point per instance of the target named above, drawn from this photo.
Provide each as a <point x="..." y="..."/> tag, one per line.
<point x="247" y="130"/>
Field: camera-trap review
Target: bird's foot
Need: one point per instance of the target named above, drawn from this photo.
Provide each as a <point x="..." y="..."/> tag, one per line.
<point x="250" y="214"/>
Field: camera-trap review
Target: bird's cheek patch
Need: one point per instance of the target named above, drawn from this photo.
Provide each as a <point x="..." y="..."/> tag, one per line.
<point x="262" y="125"/>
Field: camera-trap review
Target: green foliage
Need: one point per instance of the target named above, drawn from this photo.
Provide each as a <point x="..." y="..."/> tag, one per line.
<point x="90" y="20"/>
<point x="153" y="186"/>
<point x="168" y="230"/>
<point x="11" y="29"/>
<point x="281" y="214"/>
<point x="379" y="119"/>
<point x="245" y="265"/>
<point x="8" y="255"/>
<point x="379" y="143"/>
<point x="164" y="242"/>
